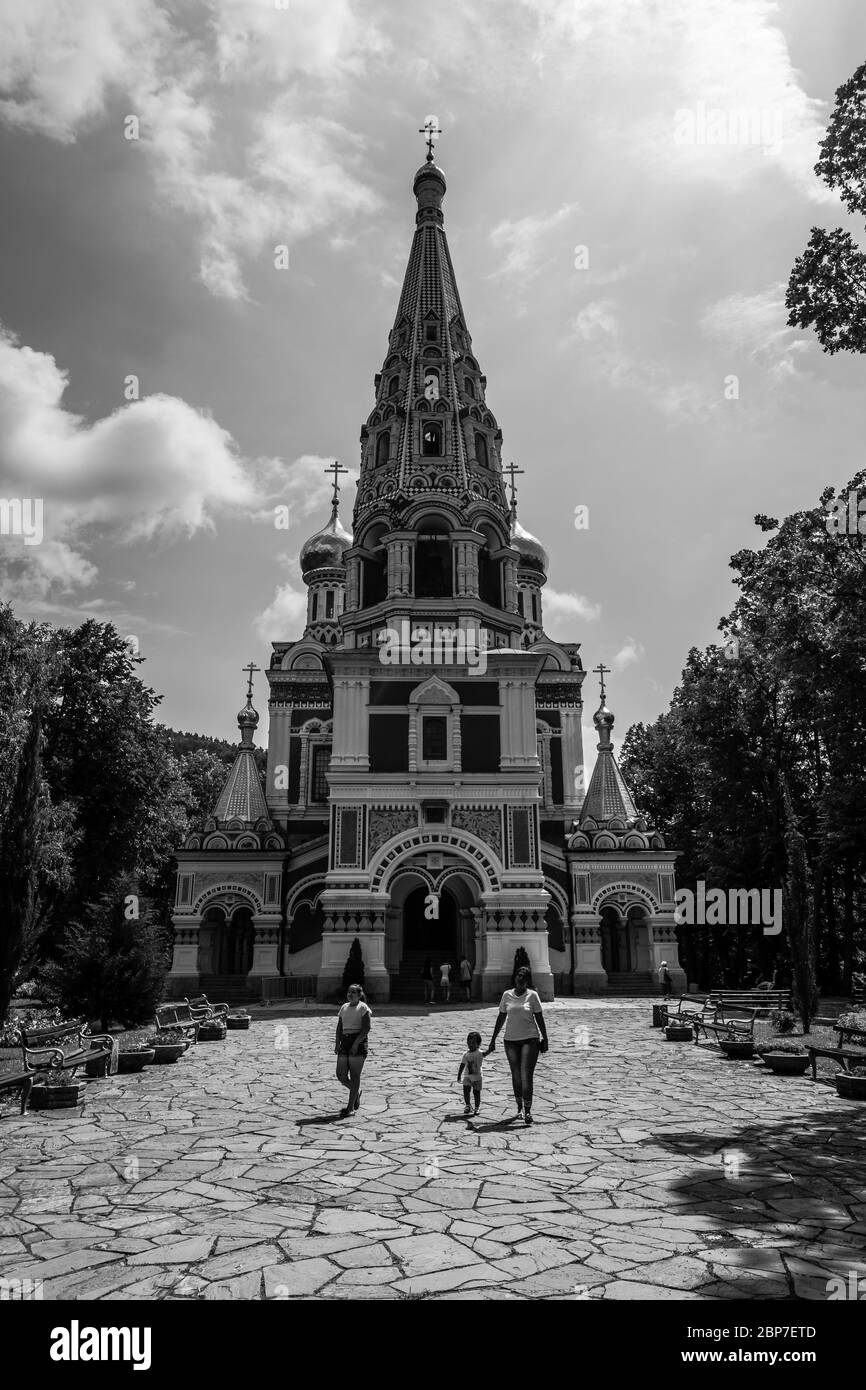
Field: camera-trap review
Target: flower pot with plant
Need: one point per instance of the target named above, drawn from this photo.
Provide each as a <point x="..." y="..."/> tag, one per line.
<point x="240" y="1019"/>
<point x="678" y="1032"/>
<point x="212" y="1030"/>
<point x="168" y="1045"/>
<point x="851" y="1085"/>
<point x="135" y="1057"/>
<point x="738" y="1049"/>
<point x="785" y="1059"/>
<point x="54" y="1090"/>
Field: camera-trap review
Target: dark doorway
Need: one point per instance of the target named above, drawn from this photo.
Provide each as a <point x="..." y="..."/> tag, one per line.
<point x="236" y="944"/>
<point x="437" y="937"/>
<point x="615" y="954"/>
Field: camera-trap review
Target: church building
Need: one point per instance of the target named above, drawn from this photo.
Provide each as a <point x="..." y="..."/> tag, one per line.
<point x="425" y="774"/>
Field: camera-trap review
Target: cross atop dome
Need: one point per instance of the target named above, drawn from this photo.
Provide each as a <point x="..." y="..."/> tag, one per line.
<point x="432" y="130"/>
<point x="336" y="468"/>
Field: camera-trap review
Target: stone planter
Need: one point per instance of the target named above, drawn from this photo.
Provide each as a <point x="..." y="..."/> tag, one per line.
<point x="56" y="1097"/>
<point x="135" y="1061"/>
<point x="678" y="1032"/>
<point x="787" y="1063"/>
<point x="738" y="1049"/>
<point x="168" y="1052"/>
<point x="211" y="1032"/>
<point x="850" y="1087"/>
<point x="237" y="1021"/>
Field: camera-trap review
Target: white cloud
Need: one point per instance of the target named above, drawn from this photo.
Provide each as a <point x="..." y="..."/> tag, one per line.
<point x="285" y="616"/>
<point x="521" y="242"/>
<point x="596" y="320"/>
<point x="155" y="468"/>
<point x="560" y="609"/>
<point x="632" y="652"/>
<point x="293" y="174"/>
<point x="754" y="326"/>
<point x="308" y="489"/>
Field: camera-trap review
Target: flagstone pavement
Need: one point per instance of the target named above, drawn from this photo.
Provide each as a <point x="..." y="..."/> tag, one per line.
<point x="655" y="1170"/>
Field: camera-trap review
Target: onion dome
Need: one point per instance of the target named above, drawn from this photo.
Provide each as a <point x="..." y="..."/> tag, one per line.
<point x="248" y="718"/>
<point x="532" y="553"/>
<point x="325" y="550"/>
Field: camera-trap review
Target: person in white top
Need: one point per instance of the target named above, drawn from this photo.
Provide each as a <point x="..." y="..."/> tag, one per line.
<point x="525" y="1037"/>
<point x="445" y="981"/>
<point x="353" y="1024"/>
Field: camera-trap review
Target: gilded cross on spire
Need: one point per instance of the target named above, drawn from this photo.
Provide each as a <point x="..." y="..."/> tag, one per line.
<point x="432" y="130"/>
<point x="336" y="468"/>
<point x="251" y="668"/>
<point x="601" y="671"/>
<point x="515" y="472"/>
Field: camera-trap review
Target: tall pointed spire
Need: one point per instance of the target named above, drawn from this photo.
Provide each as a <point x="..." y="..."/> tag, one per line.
<point x="431" y="428"/>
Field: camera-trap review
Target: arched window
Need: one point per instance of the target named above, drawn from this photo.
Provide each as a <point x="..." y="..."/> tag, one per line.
<point x="433" y="577"/>
<point x="469" y="387"/>
<point x="481" y="454"/>
<point x="489" y="571"/>
<point x="431" y="439"/>
<point x="383" y="448"/>
<point x="520" y="607"/>
<point x="393" y="385"/>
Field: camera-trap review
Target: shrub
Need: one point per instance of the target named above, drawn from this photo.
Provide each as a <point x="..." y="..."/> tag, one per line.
<point x="857" y="1019"/>
<point x="110" y="966"/>
<point x="353" y="970"/>
<point x="794" y="1048"/>
<point x="783" y="1021"/>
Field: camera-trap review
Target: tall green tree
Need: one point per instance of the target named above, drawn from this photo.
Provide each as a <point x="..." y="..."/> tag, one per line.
<point x="827" y="286"/>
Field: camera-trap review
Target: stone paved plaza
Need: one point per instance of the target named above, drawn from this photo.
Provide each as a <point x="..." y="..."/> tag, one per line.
<point x="654" y="1170"/>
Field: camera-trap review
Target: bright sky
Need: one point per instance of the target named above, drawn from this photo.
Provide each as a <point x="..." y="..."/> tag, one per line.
<point x="648" y="376"/>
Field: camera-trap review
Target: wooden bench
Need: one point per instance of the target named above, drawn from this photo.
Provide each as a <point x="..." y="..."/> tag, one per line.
<point x="848" y="1040"/>
<point x="766" y="1001"/>
<point x="68" y="1046"/>
<point x="178" y="1016"/>
<point x="203" y="1009"/>
<point x="732" y="1028"/>
<point x="691" y="1009"/>
<point x="18" y="1081"/>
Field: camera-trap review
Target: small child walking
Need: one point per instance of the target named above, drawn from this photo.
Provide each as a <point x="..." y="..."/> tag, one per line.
<point x="471" y="1062"/>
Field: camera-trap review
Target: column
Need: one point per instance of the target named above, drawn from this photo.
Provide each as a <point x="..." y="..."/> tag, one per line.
<point x="663" y="946"/>
<point x="573" y="778"/>
<point x="265" y="947"/>
<point x="589" y="973"/>
<point x="184" y="972"/>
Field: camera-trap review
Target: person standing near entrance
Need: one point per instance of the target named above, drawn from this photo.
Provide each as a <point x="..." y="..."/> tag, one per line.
<point x="445" y="981"/>
<point x="466" y="977"/>
<point x="353" y="1025"/>
<point x="525" y="1037"/>
<point x="427" y="979"/>
<point x="667" y="983"/>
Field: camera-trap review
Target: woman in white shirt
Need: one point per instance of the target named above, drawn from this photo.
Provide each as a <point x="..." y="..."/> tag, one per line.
<point x="353" y="1024"/>
<point x="525" y="1036"/>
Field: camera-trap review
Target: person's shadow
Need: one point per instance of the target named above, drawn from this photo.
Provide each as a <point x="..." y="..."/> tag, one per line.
<point x="318" y="1120"/>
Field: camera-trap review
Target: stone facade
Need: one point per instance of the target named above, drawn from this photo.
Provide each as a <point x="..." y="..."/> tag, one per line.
<point x="424" y="788"/>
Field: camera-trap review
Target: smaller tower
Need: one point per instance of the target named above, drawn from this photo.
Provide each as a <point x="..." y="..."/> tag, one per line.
<point x="323" y="568"/>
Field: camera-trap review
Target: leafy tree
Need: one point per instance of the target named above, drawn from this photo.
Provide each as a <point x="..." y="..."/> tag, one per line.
<point x="113" y="960"/>
<point x="827" y="286"/>
<point x="353" y="970"/>
<point x="758" y="770"/>
<point x="34" y="835"/>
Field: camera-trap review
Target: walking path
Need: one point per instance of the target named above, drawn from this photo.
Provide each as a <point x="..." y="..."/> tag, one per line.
<point x="654" y="1170"/>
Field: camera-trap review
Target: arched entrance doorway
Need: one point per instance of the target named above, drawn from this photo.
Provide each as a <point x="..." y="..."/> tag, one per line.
<point x="235" y="944"/>
<point x="624" y="940"/>
<point x="436" y="936"/>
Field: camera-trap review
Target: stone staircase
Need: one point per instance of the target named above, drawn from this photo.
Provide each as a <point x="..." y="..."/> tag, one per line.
<point x="406" y="986"/>
<point x="628" y="984"/>
<point x="230" y="989"/>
